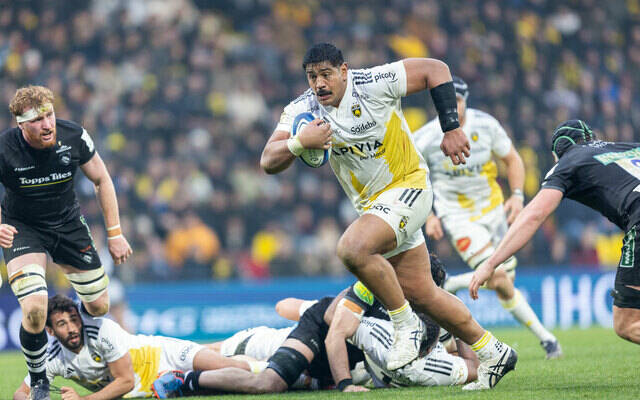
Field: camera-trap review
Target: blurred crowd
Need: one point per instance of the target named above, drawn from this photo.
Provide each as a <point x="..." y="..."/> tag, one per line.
<point x="180" y="97"/>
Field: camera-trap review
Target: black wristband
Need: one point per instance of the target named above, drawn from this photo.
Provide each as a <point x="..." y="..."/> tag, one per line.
<point x="342" y="385"/>
<point x="444" y="99"/>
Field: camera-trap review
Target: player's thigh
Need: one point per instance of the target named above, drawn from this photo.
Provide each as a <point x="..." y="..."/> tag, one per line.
<point x="368" y="234"/>
<point x="414" y="272"/>
<point x="75" y="248"/>
<point x="27" y="280"/>
<point x="30" y="246"/>
<point x="626" y="296"/>
<point x="470" y="240"/>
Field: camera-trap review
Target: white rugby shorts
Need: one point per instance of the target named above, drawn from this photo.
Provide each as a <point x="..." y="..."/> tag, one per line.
<point x="406" y="211"/>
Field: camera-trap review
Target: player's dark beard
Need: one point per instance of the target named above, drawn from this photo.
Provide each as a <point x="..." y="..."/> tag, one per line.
<point x="71" y="336"/>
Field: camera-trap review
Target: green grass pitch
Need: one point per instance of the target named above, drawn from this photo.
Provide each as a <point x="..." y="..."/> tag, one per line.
<point x="597" y="365"/>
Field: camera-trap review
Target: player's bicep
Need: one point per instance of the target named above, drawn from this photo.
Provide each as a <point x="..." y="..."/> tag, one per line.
<point x="94" y="169"/>
<point x="423" y="73"/>
<point x="122" y="367"/>
<point x="278" y="135"/>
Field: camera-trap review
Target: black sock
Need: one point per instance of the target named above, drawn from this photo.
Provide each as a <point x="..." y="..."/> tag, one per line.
<point x="191" y="383"/>
<point x="34" y="348"/>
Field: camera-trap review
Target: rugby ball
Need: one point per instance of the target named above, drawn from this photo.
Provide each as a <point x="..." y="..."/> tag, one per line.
<point x="314" y="158"/>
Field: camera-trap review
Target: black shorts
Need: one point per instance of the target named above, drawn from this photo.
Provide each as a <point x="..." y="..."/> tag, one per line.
<point x="312" y="331"/>
<point x="69" y="244"/>
<point x="628" y="271"/>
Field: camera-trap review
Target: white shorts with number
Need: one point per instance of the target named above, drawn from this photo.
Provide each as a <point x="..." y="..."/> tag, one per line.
<point x="470" y="237"/>
<point x="259" y="343"/>
<point x="177" y="354"/>
<point x="405" y="210"/>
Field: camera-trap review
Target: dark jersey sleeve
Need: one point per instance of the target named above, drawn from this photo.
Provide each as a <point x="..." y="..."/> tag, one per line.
<point x="86" y="146"/>
<point x="562" y="175"/>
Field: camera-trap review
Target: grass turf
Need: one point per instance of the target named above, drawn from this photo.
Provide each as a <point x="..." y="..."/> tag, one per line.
<point x="597" y="365"/>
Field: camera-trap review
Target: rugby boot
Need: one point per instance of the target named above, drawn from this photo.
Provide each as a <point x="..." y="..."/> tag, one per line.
<point x="492" y="370"/>
<point x="552" y="348"/>
<point x="168" y="385"/>
<point x="406" y="342"/>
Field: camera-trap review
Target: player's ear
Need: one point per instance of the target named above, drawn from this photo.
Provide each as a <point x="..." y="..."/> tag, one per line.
<point x="343" y="71"/>
<point x="49" y="330"/>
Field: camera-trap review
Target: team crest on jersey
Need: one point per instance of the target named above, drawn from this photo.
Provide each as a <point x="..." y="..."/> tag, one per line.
<point x="474" y="136"/>
<point x="463" y="243"/>
<point x="403" y="223"/>
<point x="96" y="357"/>
<point x="363" y="293"/>
<point x="356" y="111"/>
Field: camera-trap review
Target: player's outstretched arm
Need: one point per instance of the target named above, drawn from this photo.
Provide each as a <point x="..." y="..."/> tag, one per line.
<point x="343" y="325"/>
<point x="515" y="176"/>
<point x="519" y="233"/>
<point x="432" y="74"/>
<point x="123" y="382"/>
<point x="97" y="173"/>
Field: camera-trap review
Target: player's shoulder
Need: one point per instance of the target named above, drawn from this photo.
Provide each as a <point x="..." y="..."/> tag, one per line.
<point x="53" y="350"/>
<point x="389" y="72"/>
<point x="9" y="134"/>
<point x="68" y="129"/>
<point x="306" y="102"/>
<point x="481" y="117"/>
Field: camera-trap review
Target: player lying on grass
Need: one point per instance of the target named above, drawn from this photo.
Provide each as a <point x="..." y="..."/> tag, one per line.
<point x="99" y="355"/>
<point x="304" y="350"/>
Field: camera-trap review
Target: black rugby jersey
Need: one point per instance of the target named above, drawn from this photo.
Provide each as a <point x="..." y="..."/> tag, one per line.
<point x="39" y="183"/>
<point x="602" y="175"/>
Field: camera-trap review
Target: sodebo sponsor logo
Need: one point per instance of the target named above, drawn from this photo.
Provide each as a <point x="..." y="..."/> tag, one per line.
<point x="55" y="176"/>
<point x="391" y="76"/>
<point x="363" y="127"/>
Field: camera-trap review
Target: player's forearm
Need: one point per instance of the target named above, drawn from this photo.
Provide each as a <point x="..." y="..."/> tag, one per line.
<point x="106" y="195"/>
<point x="338" y="358"/>
<point x="276" y="157"/>
<point x="114" y="390"/>
<point x="515" y="172"/>
<point x="519" y="233"/>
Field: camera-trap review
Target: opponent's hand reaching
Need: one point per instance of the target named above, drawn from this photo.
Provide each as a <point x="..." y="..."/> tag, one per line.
<point x="455" y="145"/>
<point x="119" y="249"/>
<point x="6" y="235"/>
<point x="68" y="393"/>
<point x="482" y="274"/>
<point x="434" y="227"/>
<point x="316" y="135"/>
<point x="355" y="388"/>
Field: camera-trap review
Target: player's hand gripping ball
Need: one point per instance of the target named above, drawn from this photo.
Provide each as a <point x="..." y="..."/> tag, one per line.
<point x="312" y="157"/>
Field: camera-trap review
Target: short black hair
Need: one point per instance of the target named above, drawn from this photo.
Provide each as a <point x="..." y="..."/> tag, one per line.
<point x="568" y="133"/>
<point x="59" y="303"/>
<point x="438" y="273"/>
<point x="321" y="52"/>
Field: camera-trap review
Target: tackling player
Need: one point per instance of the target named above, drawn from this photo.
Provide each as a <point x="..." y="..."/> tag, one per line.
<point x="40" y="214"/>
<point x="468" y="202"/>
<point x="604" y="176"/>
<point x="360" y="119"/>
<point x="99" y="355"/>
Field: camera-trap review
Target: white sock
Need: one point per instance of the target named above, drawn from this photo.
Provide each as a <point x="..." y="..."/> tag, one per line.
<point x="521" y="310"/>
<point x="401" y="315"/>
<point x="487" y="347"/>
<point x="457" y="282"/>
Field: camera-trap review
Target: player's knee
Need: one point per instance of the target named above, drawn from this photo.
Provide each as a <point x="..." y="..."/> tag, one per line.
<point x="35" y="316"/>
<point x="352" y="252"/>
<point x="98" y="307"/>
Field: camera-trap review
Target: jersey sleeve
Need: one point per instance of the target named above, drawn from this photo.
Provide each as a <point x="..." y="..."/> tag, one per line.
<point x="87" y="148"/>
<point x="361" y="296"/>
<point x="112" y="340"/>
<point x="560" y="176"/>
<point x="501" y="143"/>
<point x="291" y="111"/>
<point x="386" y="82"/>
